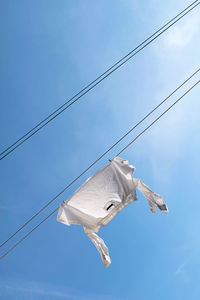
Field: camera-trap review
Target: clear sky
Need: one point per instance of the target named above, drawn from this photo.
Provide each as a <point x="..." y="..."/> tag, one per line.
<point x="49" y="51"/>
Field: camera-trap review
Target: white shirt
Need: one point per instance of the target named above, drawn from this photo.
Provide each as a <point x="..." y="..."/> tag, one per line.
<point x="103" y="196"/>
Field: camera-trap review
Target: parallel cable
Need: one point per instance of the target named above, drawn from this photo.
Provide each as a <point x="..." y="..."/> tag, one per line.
<point x="21" y="240"/>
<point x="129" y="144"/>
<point x="145" y="117"/>
<point x="98" y="80"/>
<point x="126" y="134"/>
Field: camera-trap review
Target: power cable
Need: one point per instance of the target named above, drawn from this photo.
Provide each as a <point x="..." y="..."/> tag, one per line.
<point x="99" y="79"/>
<point x="145" y="117"/>
<point x="158" y="118"/>
<point x="98" y="160"/>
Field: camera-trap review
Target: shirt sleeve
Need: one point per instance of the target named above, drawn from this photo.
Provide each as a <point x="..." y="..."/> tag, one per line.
<point x="154" y="200"/>
<point x="101" y="247"/>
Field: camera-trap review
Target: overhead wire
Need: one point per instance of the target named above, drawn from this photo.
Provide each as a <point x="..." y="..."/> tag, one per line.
<point x="117" y="142"/>
<point x="129" y="144"/>
<point x="15" y="245"/>
<point x="98" y="80"/>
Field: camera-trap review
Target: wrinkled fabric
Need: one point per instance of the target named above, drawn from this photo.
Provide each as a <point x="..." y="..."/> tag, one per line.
<point x="101" y="247"/>
<point x="103" y="196"/>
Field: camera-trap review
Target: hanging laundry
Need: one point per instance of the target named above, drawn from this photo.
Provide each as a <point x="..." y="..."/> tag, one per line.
<point x="103" y="196"/>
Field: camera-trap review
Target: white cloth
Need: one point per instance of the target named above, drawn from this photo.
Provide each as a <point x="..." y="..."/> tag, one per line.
<point x="103" y="196"/>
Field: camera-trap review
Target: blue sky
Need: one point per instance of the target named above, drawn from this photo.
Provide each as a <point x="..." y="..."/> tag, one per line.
<point x="49" y="51"/>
